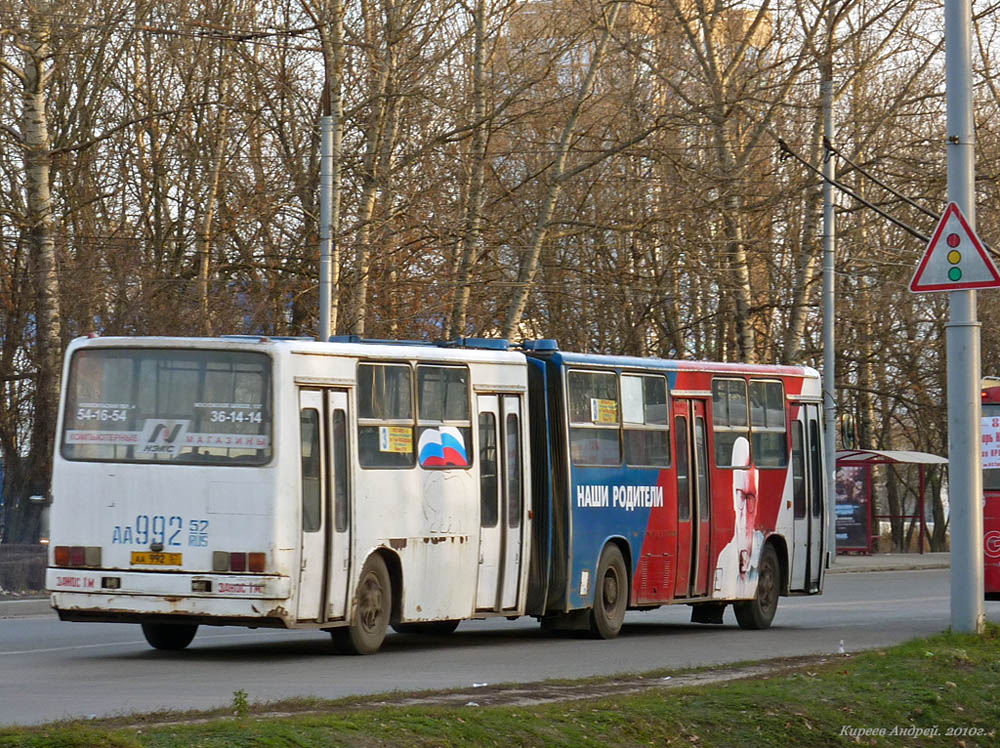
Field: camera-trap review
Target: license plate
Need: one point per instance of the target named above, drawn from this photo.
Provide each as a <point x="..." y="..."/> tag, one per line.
<point x="142" y="558"/>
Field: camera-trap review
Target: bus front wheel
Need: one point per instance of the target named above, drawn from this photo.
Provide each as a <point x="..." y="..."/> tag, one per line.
<point x="373" y="606"/>
<point x="169" y="636"/>
<point x="610" y="594"/>
<point x="759" y="612"/>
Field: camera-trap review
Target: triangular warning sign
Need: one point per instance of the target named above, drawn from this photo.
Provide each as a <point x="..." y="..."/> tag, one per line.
<point x="955" y="259"/>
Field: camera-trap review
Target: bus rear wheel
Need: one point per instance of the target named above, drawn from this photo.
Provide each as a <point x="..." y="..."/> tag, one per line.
<point x="759" y="612"/>
<point x="610" y="594"/>
<point x="169" y="636"/>
<point x="373" y="606"/>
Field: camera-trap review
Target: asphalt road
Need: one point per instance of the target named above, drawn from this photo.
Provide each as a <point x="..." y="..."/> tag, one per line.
<point x="52" y="670"/>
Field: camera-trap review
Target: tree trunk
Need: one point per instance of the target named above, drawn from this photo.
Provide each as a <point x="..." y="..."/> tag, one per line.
<point x="44" y="272"/>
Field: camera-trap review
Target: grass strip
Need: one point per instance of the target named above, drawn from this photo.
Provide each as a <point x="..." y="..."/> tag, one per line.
<point x="940" y="691"/>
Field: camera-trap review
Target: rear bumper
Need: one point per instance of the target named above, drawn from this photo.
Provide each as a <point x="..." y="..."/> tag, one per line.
<point x="247" y="600"/>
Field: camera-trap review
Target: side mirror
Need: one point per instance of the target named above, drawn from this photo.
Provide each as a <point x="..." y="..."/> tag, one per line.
<point x="848" y="431"/>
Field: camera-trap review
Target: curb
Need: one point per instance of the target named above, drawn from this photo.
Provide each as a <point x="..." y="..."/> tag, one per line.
<point x="839" y="569"/>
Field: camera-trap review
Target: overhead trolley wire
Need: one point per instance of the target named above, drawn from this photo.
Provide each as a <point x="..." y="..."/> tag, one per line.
<point x="830" y="151"/>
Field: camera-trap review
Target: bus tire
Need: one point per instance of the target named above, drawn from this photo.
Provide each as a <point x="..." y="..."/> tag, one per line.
<point x="429" y="628"/>
<point x="373" y="606"/>
<point x="169" y="636"/>
<point x="610" y="594"/>
<point x="759" y="612"/>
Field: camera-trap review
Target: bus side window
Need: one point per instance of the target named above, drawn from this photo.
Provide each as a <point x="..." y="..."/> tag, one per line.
<point x="644" y="413"/>
<point x="729" y="420"/>
<point x="594" y="418"/>
<point x="385" y="416"/>
<point x="312" y="517"/>
<point x="767" y="424"/>
<point x="444" y="427"/>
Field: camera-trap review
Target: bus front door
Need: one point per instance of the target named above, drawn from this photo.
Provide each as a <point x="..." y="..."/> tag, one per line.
<point x="325" y="505"/>
<point x="807" y="501"/>
<point x="817" y="499"/>
<point x="501" y="501"/>
<point x="694" y="521"/>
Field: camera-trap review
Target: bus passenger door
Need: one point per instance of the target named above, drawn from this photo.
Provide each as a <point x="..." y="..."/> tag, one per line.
<point x="685" y="487"/>
<point x="501" y="497"/>
<point x="807" y="501"/>
<point x="513" y="498"/>
<point x="490" y="485"/>
<point x="817" y="505"/>
<point x="339" y="531"/>
<point x="313" y="478"/>
<point x="702" y="504"/>
<point x="800" y="506"/>
<point x="694" y="521"/>
<point x="325" y="505"/>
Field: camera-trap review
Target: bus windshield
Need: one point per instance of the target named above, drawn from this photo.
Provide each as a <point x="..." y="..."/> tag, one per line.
<point x="168" y="405"/>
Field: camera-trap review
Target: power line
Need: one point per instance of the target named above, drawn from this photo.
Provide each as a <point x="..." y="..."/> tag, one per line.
<point x="830" y="151"/>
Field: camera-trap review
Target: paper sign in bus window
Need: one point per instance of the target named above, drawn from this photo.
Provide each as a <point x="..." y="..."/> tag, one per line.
<point x="991" y="442"/>
<point x="603" y="411"/>
<point x="396" y="439"/>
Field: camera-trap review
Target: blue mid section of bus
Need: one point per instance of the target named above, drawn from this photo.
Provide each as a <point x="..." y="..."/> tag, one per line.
<point x="611" y="511"/>
<point x="579" y="509"/>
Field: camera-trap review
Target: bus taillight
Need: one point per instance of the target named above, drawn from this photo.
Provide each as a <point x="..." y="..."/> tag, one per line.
<point x="77" y="555"/>
<point x="239" y="562"/>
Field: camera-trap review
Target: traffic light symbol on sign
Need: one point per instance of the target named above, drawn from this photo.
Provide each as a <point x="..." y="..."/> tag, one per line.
<point x="955" y="258"/>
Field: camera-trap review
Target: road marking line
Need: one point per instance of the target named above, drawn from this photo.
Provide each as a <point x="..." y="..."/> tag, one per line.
<point x="810" y="605"/>
<point x="114" y="644"/>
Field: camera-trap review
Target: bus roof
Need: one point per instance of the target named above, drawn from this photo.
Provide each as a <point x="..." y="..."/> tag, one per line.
<point x="566" y="358"/>
<point x="368" y="350"/>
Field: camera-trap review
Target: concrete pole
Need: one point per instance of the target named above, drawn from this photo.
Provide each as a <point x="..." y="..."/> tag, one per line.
<point x="325" y="219"/>
<point x="965" y="477"/>
<point x="829" y="345"/>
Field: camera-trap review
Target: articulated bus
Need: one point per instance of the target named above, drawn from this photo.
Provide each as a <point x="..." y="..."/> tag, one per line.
<point x="991" y="488"/>
<point x="356" y="485"/>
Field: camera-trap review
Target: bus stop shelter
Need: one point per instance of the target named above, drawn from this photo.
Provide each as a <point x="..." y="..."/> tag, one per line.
<point x="855" y="508"/>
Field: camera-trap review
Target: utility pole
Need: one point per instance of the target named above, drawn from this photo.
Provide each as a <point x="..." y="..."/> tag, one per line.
<point x="965" y="477"/>
<point x="829" y="265"/>
<point x="325" y="219"/>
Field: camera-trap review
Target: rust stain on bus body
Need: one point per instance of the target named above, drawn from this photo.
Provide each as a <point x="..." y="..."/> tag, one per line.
<point x="397" y="544"/>
<point x="435" y="539"/>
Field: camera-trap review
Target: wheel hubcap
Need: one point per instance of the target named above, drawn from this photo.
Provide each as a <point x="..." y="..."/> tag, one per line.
<point x="371" y="603"/>
<point x="610" y="590"/>
<point x="767" y="587"/>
